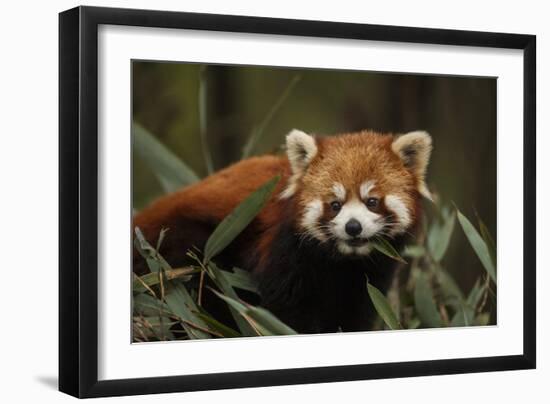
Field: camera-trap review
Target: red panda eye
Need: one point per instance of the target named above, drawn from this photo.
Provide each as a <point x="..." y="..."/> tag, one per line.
<point x="372" y="202"/>
<point x="336" y="206"/>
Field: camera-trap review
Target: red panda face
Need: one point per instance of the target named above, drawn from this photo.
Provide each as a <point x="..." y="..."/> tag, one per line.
<point x="351" y="189"/>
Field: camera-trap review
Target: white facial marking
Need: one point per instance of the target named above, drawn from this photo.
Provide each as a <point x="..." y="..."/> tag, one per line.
<point x="310" y="220"/>
<point x="347" y="249"/>
<point x="364" y="249"/>
<point x="344" y="248"/>
<point x="365" y="188"/>
<point x="339" y="191"/>
<point x="289" y="190"/>
<point x="402" y="215"/>
<point x="370" y="222"/>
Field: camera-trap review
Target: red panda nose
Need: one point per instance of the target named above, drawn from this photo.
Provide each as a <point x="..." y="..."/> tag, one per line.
<point x="353" y="227"/>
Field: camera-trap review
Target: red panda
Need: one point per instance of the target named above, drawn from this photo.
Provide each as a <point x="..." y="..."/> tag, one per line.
<point x="310" y="247"/>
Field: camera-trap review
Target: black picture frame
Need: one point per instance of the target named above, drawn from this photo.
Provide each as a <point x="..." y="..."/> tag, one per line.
<point x="78" y="200"/>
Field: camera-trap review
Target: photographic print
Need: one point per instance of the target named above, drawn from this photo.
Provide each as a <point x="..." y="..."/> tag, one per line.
<point x="278" y="201"/>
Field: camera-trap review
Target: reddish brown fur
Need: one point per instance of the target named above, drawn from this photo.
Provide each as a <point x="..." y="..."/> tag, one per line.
<point x="216" y="196"/>
<point x="209" y="201"/>
<point x="349" y="159"/>
<point x="294" y="278"/>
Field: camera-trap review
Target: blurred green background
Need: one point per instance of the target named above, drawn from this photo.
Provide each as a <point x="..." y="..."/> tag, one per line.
<point x="459" y="113"/>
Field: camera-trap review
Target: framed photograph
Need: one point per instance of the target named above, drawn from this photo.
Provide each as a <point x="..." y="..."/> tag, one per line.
<point x="252" y="201"/>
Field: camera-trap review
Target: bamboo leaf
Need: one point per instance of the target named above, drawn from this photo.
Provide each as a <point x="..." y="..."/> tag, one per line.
<point x="488" y="240"/>
<point x="140" y="286"/>
<point x="167" y="167"/>
<point x="482" y="319"/>
<point x="463" y="317"/>
<point x="440" y="235"/>
<point x="182" y="305"/>
<point x="154" y="260"/>
<point x="239" y="307"/>
<point x="475" y="294"/>
<point x="384" y="246"/>
<point x="242" y="280"/>
<point x="177" y="298"/>
<point x="237" y="220"/>
<point x="221" y="281"/>
<point x="424" y="302"/>
<point x="263" y="321"/>
<point x="154" y="326"/>
<point x="162" y="234"/>
<point x="414" y="323"/>
<point x="146" y="251"/>
<point x="147" y="305"/>
<point x="219" y="277"/>
<point x="156" y="321"/>
<point x="383" y="307"/>
<point x="152" y="279"/>
<point x="466" y="311"/>
<point x="448" y="285"/>
<point x="478" y="244"/>
<point x="267" y="322"/>
<point x="258" y="132"/>
<point x="215" y="325"/>
<point x="414" y="251"/>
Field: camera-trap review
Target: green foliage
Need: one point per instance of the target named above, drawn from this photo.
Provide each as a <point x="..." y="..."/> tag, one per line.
<point x="182" y="304"/>
<point x="424" y="302"/>
<point x="479" y="245"/>
<point x="167" y="303"/>
<point x="167" y="167"/>
<point x="143" y="283"/>
<point x="261" y="320"/>
<point x="430" y="296"/>
<point x="489" y="241"/>
<point x="164" y="295"/>
<point x="385" y="247"/>
<point x="383" y="307"/>
<point x="237" y="221"/>
<point x="440" y="234"/>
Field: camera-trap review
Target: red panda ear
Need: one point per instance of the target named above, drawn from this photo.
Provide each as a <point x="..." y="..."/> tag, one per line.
<point x="414" y="149"/>
<point x="301" y="148"/>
